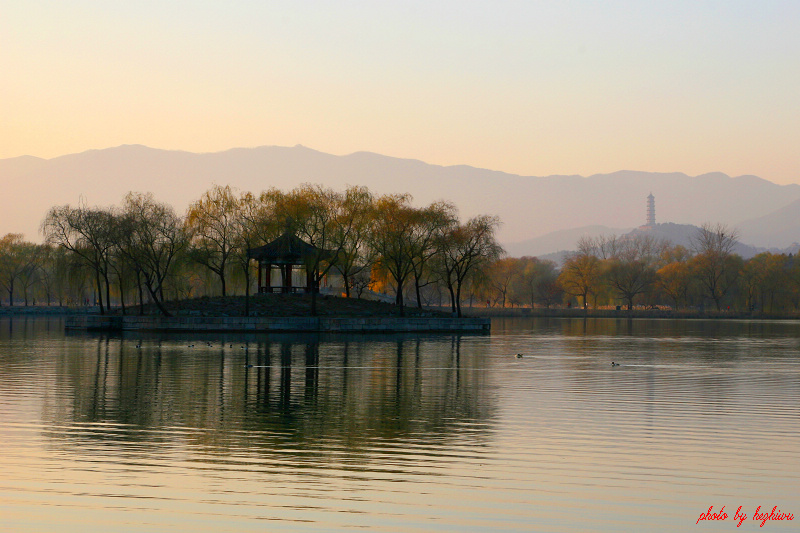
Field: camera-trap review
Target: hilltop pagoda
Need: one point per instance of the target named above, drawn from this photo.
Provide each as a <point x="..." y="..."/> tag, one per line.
<point x="651" y="211"/>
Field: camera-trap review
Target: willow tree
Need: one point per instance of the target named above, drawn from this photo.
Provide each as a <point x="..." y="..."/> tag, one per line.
<point x="536" y="281"/>
<point x="426" y="236"/>
<point x="58" y="269"/>
<point x="257" y="223"/>
<point x="313" y="213"/>
<point x="675" y="279"/>
<point x="352" y="227"/>
<point x="18" y="261"/>
<point x="31" y="258"/>
<point x="89" y="233"/>
<point x="151" y="236"/>
<point x="498" y="282"/>
<point x="631" y="270"/>
<point x="391" y="240"/>
<point x="715" y="265"/>
<point x="213" y="227"/>
<point x="465" y="249"/>
<point x="580" y="276"/>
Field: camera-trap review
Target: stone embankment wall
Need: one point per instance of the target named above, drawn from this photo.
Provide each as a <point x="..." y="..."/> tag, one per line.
<point x="279" y="324"/>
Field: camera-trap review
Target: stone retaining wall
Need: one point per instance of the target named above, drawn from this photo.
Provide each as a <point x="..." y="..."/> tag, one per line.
<point x="279" y="324"/>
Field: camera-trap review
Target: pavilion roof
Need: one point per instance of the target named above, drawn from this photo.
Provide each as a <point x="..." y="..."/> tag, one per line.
<point x="288" y="248"/>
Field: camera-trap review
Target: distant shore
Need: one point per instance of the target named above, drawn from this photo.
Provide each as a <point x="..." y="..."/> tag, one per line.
<point x="522" y="312"/>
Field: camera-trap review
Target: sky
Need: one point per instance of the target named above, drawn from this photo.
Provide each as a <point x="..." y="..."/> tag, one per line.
<point x="530" y="87"/>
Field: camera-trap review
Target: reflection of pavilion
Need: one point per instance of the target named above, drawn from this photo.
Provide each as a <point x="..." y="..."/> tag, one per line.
<point x="282" y="254"/>
<point x="278" y="393"/>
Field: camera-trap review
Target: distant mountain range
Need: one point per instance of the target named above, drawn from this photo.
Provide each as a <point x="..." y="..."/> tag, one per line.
<point x="539" y="214"/>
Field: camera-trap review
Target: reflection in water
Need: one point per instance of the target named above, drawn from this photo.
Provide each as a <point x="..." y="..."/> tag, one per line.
<point x="655" y="328"/>
<point x="284" y="392"/>
<point x="399" y="433"/>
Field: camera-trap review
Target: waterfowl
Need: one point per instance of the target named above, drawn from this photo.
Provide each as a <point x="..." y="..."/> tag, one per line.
<point x="519" y="356"/>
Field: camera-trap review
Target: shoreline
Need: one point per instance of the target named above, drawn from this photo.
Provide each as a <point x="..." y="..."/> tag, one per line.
<point x="435" y="313"/>
<point x="481" y="326"/>
<point x="526" y="312"/>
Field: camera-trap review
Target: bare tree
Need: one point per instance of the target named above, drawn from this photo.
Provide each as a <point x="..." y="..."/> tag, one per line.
<point x="714" y="263"/>
<point x="631" y="270"/>
<point x="466" y="248"/>
<point x="431" y="224"/>
<point x="601" y="246"/>
<point x="152" y="236"/>
<point x="90" y="234"/>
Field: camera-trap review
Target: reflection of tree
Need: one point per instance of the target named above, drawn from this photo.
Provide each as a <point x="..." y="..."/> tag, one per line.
<point x="289" y="393"/>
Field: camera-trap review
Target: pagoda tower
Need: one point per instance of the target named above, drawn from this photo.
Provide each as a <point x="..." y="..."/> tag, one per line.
<point x="651" y="211"/>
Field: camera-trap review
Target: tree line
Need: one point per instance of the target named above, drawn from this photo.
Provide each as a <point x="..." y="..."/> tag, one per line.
<point x="641" y="271"/>
<point x="143" y="252"/>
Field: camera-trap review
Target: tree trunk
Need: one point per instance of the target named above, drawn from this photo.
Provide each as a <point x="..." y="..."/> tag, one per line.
<point x="452" y="297"/>
<point x="346" y="280"/>
<point x="247" y="292"/>
<point x="108" y="290"/>
<point x="315" y="279"/>
<point x="141" y="295"/>
<point x="399" y="299"/>
<point x="121" y="294"/>
<point x="99" y="291"/>
<point x="158" y="302"/>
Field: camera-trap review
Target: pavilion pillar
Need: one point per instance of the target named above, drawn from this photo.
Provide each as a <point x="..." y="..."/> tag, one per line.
<point x="287" y="280"/>
<point x="309" y="280"/>
<point x="260" y="286"/>
<point x="268" y="277"/>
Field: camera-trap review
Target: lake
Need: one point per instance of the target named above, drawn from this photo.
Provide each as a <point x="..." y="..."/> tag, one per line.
<point x="235" y="433"/>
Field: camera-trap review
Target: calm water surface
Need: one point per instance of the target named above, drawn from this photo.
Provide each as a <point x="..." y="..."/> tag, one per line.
<point x="397" y="433"/>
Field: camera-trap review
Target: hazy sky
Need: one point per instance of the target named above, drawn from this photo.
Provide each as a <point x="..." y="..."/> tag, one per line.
<point x="528" y="87"/>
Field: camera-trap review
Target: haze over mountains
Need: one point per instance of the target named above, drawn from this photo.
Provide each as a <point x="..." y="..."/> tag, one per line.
<point x="530" y="207"/>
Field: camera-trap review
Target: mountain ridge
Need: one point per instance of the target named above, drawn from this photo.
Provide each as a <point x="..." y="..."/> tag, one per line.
<point x="530" y="206"/>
